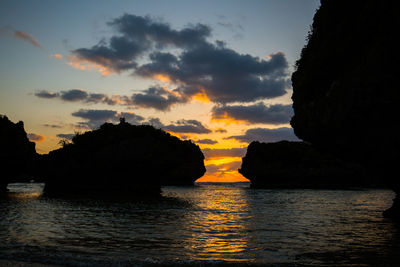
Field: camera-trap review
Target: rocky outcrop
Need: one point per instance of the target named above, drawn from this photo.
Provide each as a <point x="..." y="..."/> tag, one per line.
<point x="345" y="88"/>
<point x="17" y="153"/>
<point x="299" y="165"/>
<point x="121" y="159"/>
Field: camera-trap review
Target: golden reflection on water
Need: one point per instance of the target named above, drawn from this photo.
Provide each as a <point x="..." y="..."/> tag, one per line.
<point x="223" y="220"/>
<point x="21" y="191"/>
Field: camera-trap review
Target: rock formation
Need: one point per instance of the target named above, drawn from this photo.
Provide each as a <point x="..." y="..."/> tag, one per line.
<point x="345" y="88"/>
<point x="121" y="159"/>
<point x="299" y="165"/>
<point x="17" y="153"/>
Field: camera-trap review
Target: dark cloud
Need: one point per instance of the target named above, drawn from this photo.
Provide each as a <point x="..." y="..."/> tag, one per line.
<point x="73" y="95"/>
<point x="266" y="135"/>
<point x="206" y="141"/>
<point x="155" y="122"/>
<point x="104" y="99"/>
<point x="66" y="136"/>
<point x="197" y="66"/>
<point x="37" y="138"/>
<point x="137" y="35"/>
<point x="224" y="75"/>
<point x="257" y="113"/>
<point x="130" y="117"/>
<point x="157" y="98"/>
<point x="95" y="114"/>
<point x="46" y="94"/>
<point x="95" y="117"/>
<point x="187" y="126"/>
<point x="220" y="130"/>
<point x="53" y="125"/>
<point x="224" y="152"/>
<point x="180" y="126"/>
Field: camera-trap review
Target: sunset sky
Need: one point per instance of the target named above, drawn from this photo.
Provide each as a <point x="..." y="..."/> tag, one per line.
<point x="215" y="72"/>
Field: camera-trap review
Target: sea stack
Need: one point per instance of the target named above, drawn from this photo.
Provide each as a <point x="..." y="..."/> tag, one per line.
<point x="287" y="164"/>
<point x="121" y="159"/>
<point x="345" y="88"/>
<point x="17" y="153"/>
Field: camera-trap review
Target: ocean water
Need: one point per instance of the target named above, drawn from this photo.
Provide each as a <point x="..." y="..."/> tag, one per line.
<point x="208" y="224"/>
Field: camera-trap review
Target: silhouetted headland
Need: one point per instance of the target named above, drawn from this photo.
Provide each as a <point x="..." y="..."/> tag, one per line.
<point x="17" y="153"/>
<point x="287" y="164"/>
<point x="345" y="88"/>
<point x="121" y="159"/>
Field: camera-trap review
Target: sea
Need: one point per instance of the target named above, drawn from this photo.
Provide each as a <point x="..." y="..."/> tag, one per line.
<point x="209" y="224"/>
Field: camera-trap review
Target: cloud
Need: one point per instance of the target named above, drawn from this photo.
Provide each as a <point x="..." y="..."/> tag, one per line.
<point x="266" y="135"/>
<point x="73" y="95"/>
<point x="257" y="113"/>
<point x="56" y="126"/>
<point x="180" y="126"/>
<point x="46" y="94"/>
<point x="8" y="31"/>
<point x="206" y="141"/>
<point x="37" y="138"/>
<point x="223" y="169"/>
<point x="27" y="37"/>
<point x="57" y="56"/>
<point x="66" y="136"/>
<point x="158" y="98"/>
<point x="220" y="130"/>
<point x="187" y="126"/>
<point x="197" y="66"/>
<point x="224" y="152"/>
<point x="136" y="36"/>
<point x="222" y="74"/>
<point x="95" y="117"/>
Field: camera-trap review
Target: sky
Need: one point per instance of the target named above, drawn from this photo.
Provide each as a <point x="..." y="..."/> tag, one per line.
<point x="215" y="72"/>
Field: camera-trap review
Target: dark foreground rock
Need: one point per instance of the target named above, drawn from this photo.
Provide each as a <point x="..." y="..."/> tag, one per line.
<point x="299" y="165"/>
<point x="345" y="89"/>
<point x="17" y="153"/>
<point x="121" y="159"/>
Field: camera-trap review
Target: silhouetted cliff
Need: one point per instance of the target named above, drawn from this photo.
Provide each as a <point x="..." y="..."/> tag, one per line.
<point x="299" y="165"/>
<point x="16" y="153"/>
<point x="345" y="88"/>
<point x="122" y="158"/>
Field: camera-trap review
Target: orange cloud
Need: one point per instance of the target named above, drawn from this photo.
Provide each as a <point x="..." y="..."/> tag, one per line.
<point x="37" y="138"/>
<point x="225" y="118"/>
<point x="202" y="97"/>
<point x="57" y="56"/>
<point x="84" y="64"/>
<point x="162" y="78"/>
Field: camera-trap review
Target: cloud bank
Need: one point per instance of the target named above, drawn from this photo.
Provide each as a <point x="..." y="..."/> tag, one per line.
<point x="266" y="135"/>
<point x="257" y="113"/>
<point x="186" y="59"/>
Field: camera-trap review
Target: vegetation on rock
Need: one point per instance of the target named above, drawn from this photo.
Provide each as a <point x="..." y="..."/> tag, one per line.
<point x="17" y="153"/>
<point x="121" y="158"/>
